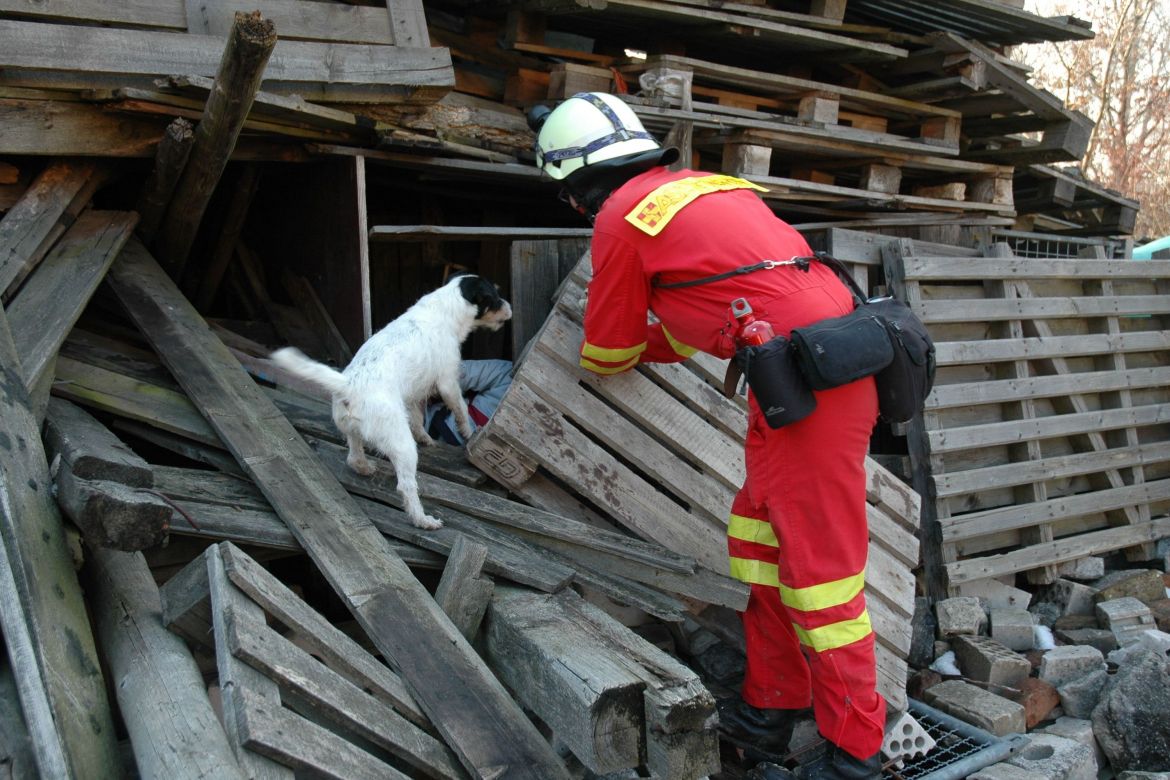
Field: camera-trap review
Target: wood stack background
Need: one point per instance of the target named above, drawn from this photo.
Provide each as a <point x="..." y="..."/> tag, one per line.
<point x="183" y="189"/>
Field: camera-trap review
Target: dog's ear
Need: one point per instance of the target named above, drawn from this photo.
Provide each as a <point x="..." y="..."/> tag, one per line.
<point x="480" y="292"/>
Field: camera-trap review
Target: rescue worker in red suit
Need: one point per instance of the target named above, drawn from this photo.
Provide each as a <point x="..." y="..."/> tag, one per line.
<point x="797" y="532"/>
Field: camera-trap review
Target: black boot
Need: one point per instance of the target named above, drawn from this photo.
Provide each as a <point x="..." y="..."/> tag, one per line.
<point x="836" y="764"/>
<point x="768" y="730"/>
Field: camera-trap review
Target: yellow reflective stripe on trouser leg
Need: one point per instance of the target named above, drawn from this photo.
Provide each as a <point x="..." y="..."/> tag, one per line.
<point x="678" y="347"/>
<point x="834" y="635"/>
<point x="589" y="364"/>
<point x="751" y="570"/>
<point x="823" y="596"/>
<point x="612" y="355"/>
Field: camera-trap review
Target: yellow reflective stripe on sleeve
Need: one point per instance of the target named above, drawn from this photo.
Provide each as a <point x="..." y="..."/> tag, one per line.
<point x="755" y="572"/>
<point x="607" y="355"/>
<point x="654" y="212"/>
<point x="749" y="529"/>
<point x="835" y="635"/>
<point x="589" y="364"/>
<point x="678" y="347"/>
<point x="823" y="596"/>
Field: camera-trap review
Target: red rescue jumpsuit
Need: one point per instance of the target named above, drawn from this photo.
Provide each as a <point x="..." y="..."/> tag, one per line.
<point x="797" y="532"/>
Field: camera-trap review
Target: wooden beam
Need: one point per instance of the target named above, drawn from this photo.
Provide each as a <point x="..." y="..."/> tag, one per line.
<point x="240" y="70"/>
<point x="472" y="711"/>
<point x="44" y="618"/>
<point x="463" y="592"/>
<point x="323" y="72"/>
<point x="33" y="223"/>
<point x="49" y="304"/>
<point x="173" y="729"/>
<point x="408" y="23"/>
<point x="169" y="161"/>
<point x="458" y="233"/>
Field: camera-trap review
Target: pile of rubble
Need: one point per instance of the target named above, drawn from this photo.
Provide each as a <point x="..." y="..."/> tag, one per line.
<point x="1080" y="666"/>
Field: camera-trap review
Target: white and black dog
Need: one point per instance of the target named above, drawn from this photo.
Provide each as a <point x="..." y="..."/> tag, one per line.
<point x="379" y="397"/>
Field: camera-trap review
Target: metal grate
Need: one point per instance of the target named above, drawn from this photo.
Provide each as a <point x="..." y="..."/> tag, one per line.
<point x="961" y="749"/>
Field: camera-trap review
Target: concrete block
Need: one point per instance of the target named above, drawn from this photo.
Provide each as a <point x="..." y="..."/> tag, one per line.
<point x="1079" y="730"/>
<point x="1092" y="637"/>
<point x="993" y="593"/>
<point x="906" y="739"/>
<point x="1045" y="613"/>
<point x="1066" y="663"/>
<point x="1083" y="569"/>
<point x="1012" y="626"/>
<point x="1141" y="584"/>
<point x="978" y="707"/>
<point x="1160" y="609"/>
<point x="985" y="660"/>
<point x="1073" y="598"/>
<point x="1126" y="617"/>
<point x="1056" y="758"/>
<point x="960" y="615"/>
<point x="1078" y="697"/>
<point x="1005" y="771"/>
<point x="1158" y="641"/>
<point x="1076" y="621"/>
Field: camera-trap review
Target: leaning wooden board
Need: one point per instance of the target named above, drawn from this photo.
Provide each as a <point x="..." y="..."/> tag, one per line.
<point x="660" y="451"/>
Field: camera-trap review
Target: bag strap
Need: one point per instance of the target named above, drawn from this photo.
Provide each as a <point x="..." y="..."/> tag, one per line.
<point x="766" y="265"/>
<point x="763" y="265"/>
<point x="837" y="266"/>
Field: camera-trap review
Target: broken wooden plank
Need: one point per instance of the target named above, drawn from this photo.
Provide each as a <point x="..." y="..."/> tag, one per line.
<point x="169" y="161"/>
<point x="590" y="701"/>
<point x="34" y="221"/>
<point x="249" y="45"/>
<point x="42" y="595"/>
<point x="329" y="72"/>
<point x="49" y="304"/>
<point x="462" y="592"/>
<point x="243" y="690"/>
<point x="173" y="729"/>
<point x="467" y="704"/>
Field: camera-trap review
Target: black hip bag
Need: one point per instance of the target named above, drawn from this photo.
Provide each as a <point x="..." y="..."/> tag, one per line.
<point x="881" y="337"/>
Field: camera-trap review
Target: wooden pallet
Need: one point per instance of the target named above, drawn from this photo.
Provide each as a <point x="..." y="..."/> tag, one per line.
<point x="659" y="450"/>
<point x="1045" y="438"/>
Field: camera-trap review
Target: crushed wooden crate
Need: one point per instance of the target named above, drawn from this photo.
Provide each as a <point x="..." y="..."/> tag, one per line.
<point x="659" y="450"/>
<point x="1045" y="438"/>
<point x="321" y="704"/>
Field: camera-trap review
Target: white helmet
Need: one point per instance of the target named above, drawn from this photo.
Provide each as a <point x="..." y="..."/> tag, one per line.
<point x="586" y="129"/>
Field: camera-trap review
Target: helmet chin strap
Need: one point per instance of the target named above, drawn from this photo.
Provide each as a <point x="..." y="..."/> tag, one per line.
<point x="591" y="185"/>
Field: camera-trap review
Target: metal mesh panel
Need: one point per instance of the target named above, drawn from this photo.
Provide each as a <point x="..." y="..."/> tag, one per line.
<point x="961" y="749"/>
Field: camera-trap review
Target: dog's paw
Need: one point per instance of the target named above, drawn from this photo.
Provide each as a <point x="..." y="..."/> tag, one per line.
<point x="426" y="441"/>
<point x="427" y="523"/>
<point x="365" y="466"/>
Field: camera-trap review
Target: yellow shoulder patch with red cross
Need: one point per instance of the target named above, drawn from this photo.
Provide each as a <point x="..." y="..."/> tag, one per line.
<point x="655" y="211"/>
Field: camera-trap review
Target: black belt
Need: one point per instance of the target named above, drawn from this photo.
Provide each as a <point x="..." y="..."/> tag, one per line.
<point x="764" y="265"/>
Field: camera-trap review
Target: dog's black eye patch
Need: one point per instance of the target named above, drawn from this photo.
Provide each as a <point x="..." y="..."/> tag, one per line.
<point x="481" y="292"/>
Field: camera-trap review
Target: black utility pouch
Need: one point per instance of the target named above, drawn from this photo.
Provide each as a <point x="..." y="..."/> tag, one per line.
<point x="903" y="385"/>
<point x="840" y="350"/>
<point x="777" y="384"/>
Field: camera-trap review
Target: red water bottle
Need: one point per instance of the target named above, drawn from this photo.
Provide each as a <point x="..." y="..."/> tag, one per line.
<point x="752" y="332"/>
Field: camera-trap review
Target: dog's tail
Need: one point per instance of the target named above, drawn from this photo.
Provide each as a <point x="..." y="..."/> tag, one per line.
<point x="293" y="360"/>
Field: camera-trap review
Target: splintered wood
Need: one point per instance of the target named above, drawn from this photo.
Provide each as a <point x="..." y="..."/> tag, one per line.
<point x="660" y="451"/>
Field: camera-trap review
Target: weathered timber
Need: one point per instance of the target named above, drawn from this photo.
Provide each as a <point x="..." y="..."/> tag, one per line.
<point x="34" y="222"/>
<point x="337" y="700"/>
<point x="462" y="592"/>
<point x="537" y="269"/>
<point x="474" y="713"/>
<point x="101" y="484"/>
<point x="16" y="745"/>
<point x="50" y="302"/>
<point x="44" y="613"/>
<point x="332" y="72"/>
<point x="249" y="46"/>
<point x="557" y="668"/>
<point x="173" y="729"/>
<point x="110" y="514"/>
<point x="203" y="283"/>
<point x="169" y="161"/>
<point x="243" y="690"/>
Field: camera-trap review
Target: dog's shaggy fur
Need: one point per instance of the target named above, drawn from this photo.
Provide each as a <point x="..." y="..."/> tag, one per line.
<point x="379" y="397"/>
